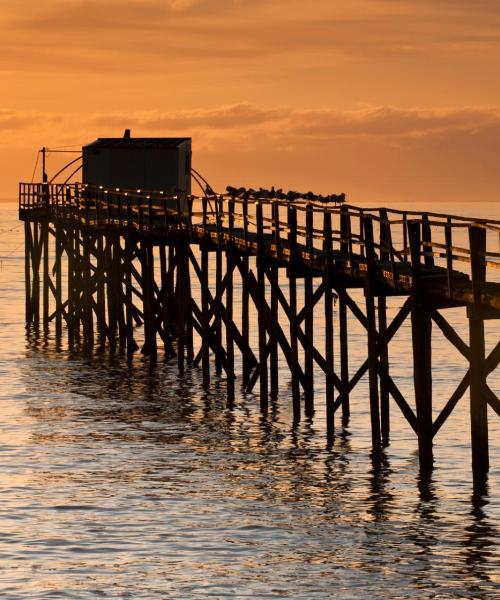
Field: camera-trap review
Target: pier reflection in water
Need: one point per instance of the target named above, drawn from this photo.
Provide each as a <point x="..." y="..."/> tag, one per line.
<point x="121" y="481"/>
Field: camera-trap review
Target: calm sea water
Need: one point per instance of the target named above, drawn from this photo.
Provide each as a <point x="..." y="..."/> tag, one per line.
<point x="122" y="482"/>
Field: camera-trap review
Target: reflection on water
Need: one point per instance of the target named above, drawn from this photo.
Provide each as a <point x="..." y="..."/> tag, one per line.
<point x="119" y="481"/>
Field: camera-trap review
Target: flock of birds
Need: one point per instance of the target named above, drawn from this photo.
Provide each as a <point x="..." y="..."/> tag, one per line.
<point x="261" y="193"/>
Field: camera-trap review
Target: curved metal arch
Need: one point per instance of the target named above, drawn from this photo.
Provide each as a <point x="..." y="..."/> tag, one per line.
<point x="71" y="162"/>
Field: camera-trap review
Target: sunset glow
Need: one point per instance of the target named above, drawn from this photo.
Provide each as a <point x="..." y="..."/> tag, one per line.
<point x="381" y="99"/>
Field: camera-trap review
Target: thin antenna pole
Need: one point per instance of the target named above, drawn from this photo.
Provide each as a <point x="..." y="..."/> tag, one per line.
<point x="44" y="172"/>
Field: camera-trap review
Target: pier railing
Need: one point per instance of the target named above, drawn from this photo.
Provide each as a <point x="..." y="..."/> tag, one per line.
<point x="402" y="243"/>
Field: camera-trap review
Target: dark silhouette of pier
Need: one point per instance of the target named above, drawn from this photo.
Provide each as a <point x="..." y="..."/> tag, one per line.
<point x="117" y="269"/>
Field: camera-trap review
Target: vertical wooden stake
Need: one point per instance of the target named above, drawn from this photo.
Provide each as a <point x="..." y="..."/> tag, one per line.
<point x="309" y="318"/>
<point x="58" y="282"/>
<point x="422" y="352"/>
<point x="344" y="354"/>
<point x="292" y="284"/>
<point x="245" y="318"/>
<point x="46" y="275"/>
<point x="88" y="323"/>
<point x="181" y="305"/>
<point x="35" y="261"/>
<point x="274" y="281"/>
<point x="384" y="360"/>
<point x="478" y="402"/>
<point x="129" y="253"/>
<point x="28" y="252"/>
<point x="151" y="323"/>
<point x="101" y="290"/>
<point x="261" y="263"/>
<point x="110" y="293"/>
<point x="229" y="306"/>
<point x="372" y="333"/>
<point x="329" y="340"/>
<point x="70" y="244"/>
<point x="218" y="287"/>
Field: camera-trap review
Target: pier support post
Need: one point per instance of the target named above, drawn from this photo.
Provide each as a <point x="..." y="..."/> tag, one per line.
<point x="35" y="261"/>
<point x="309" y="317"/>
<point x="87" y="292"/>
<point x="153" y="346"/>
<point x="261" y="284"/>
<point x="292" y="284"/>
<point x="384" y="360"/>
<point x="245" y="318"/>
<point x="101" y="290"/>
<point x="422" y="352"/>
<point x="329" y="339"/>
<point x="205" y="348"/>
<point x="372" y="334"/>
<point x="229" y="306"/>
<point x="58" y="280"/>
<point x="218" y="284"/>
<point x="28" y="253"/>
<point x="344" y="354"/>
<point x="274" y="281"/>
<point x="478" y="401"/>
<point x="46" y="274"/>
<point x="180" y="291"/>
<point x="129" y="320"/>
<point x="110" y="293"/>
<point x="70" y="250"/>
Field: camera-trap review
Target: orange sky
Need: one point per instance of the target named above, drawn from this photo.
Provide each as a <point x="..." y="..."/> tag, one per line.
<point x="382" y="99"/>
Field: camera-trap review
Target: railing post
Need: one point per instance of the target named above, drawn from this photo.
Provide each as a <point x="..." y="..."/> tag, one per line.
<point x="478" y="402"/>
<point x="426" y="239"/>
<point x="449" y="257"/>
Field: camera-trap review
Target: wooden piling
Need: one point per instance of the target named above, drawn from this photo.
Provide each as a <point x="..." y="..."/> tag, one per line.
<point x="292" y="286"/>
<point x="372" y="332"/>
<point x="263" y="375"/>
<point x="344" y="353"/>
<point x="384" y="360"/>
<point x="274" y="304"/>
<point x="58" y="241"/>
<point x="329" y="337"/>
<point x="422" y="351"/>
<point x="229" y="306"/>
<point x="46" y="274"/>
<point x="309" y="316"/>
<point x="478" y="400"/>
<point x="35" y="292"/>
<point x="28" y="251"/>
<point x="218" y="283"/>
<point x="245" y="318"/>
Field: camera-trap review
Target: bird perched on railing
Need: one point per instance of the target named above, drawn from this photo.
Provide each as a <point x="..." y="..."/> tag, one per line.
<point x="290" y="196"/>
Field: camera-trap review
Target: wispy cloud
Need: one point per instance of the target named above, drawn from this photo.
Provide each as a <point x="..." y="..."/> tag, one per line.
<point x="373" y="153"/>
<point x="16" y="121"/>
<point x="383" y="122"/>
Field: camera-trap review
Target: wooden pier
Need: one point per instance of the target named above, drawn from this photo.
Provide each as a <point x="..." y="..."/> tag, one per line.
<point x="115" y="269"/>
